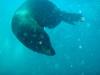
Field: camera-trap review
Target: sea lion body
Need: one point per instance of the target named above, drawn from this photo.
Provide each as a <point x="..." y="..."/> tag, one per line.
<point x="30" y="19"/>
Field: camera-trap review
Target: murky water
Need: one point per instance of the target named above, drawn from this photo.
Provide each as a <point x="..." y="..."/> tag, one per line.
<point x="77" y="46"/>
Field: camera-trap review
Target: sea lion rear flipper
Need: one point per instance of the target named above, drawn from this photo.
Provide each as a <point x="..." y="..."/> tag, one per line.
<point x="71" y="18"/>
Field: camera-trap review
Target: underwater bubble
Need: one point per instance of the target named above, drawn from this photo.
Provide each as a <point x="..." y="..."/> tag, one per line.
<point x="80" y="11"/>
<point x="79" y="39"/>
<point x="71" y="66"/>
<point x="80" y="47"/>
<point x="82" y="19"/>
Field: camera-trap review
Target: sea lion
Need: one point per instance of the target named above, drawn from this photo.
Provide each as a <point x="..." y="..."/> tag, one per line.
<point x="30" y="19"/>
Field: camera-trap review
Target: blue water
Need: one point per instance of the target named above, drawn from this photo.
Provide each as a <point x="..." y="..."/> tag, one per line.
<point x="77" y="46"/>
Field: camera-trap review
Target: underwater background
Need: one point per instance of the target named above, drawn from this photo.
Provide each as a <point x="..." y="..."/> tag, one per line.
<point x="77" y="46"/>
